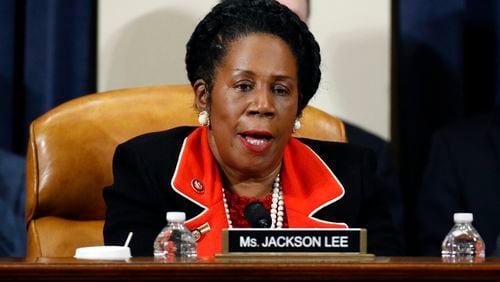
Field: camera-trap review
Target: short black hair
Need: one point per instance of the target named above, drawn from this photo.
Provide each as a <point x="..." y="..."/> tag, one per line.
<point x="233" y="19"/>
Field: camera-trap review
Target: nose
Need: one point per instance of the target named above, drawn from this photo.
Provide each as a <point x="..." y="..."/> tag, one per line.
<point x="262" y="103"/>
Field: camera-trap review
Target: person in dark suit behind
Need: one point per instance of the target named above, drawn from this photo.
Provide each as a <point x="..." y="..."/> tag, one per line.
<point x="463" y="175"/>
<point x="12" y="191"/>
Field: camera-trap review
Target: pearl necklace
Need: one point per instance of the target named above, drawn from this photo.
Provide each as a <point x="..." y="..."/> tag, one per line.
<point x="277" y="205"/>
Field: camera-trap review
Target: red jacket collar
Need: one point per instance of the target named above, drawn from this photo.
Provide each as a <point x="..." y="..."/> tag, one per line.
<point x="308" y="185"/>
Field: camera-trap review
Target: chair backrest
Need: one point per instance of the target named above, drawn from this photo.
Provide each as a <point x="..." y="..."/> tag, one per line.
<point x="70" y="152"/>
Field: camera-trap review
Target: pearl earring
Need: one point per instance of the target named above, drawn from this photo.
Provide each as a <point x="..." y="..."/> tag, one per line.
<point x="203" y="118"/>
<point x="296" y="125"/>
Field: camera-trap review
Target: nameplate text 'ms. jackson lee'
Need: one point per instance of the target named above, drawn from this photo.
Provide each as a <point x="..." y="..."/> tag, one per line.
<point x="294" y="240"/>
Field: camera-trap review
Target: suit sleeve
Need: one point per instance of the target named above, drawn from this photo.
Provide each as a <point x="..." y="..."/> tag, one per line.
<point x="133" y="204"/>
<point x="376" y="214"/>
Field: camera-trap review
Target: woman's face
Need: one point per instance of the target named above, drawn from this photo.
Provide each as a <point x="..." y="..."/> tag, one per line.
<point x="253" y="105"/>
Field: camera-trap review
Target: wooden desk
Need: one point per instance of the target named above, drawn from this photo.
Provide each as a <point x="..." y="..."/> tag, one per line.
<point x="267" y="269"/>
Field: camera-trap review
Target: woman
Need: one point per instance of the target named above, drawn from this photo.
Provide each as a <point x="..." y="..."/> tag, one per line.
<point x="251" y="78"/>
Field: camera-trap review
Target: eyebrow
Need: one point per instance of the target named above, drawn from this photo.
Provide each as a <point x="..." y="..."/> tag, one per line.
<point x="278" y="76"/>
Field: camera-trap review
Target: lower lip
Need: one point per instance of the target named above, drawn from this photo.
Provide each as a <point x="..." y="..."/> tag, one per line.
<point x="255" y="148"/>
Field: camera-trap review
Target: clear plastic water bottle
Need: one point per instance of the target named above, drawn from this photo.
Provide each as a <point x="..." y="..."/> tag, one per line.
<point x="175" y="240"/>
<point x="463" y="243"/>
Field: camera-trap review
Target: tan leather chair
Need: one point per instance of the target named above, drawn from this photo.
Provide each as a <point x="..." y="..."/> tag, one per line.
<point x="70" y="153"/>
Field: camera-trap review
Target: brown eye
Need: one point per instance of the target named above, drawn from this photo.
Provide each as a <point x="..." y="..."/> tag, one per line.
<point x="244" y="87"/>
<point x="280" y="90"/>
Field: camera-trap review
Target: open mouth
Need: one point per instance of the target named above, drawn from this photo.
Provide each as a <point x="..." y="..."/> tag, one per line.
<point x="256" y="140"/>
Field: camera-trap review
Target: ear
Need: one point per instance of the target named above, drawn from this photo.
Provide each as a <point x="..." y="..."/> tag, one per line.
<point x="200" y="88"/>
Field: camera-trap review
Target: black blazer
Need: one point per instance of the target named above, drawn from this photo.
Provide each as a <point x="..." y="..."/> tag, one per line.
<point x="142" y="193"/>
<point x="463" y="175"/>
<point x="386" y="168"/>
